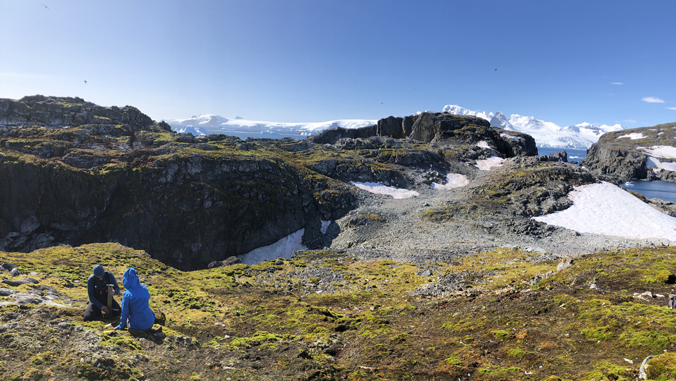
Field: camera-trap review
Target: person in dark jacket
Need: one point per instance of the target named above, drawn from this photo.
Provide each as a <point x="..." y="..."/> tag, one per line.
<point x="136" y="313"/>
<point x="97" y="290"/>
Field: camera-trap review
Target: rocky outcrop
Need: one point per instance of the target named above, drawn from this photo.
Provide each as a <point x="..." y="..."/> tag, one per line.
<point x="39" y="110"/>
<point x="331" y="136"/>
<point x="621" y="156"/>
<point x="438" y="128"/>
<point x="561" y="156"/>
<point x="448" y="129"/>
<point x="185" y="210"/>
<point x="619" y="164"/>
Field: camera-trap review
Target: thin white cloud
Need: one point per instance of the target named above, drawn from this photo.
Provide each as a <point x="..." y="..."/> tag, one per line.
<point x="671" y="108"/>
<point x="630" y="121"/>
<point x="652" y="100"/>
<point x="616" y="83"/>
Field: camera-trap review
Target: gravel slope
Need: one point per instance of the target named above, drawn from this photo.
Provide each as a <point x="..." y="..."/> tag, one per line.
<point x="396" y="230"/>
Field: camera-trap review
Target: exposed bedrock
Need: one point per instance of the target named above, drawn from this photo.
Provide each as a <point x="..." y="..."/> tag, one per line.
<point x="185" y="211"/>
<point x="624" y="155"/>
<point x="39" y="110"/>
<point x="441" y="129"/>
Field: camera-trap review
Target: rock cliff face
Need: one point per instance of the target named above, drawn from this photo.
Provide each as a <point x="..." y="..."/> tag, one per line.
<point x="39" y="110"/>
<point x="73" y="172"/>
<point x="626" y="155"/>
<point x="439" y="128"/>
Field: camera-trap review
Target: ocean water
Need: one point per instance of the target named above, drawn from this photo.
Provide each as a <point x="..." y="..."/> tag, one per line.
<point x="651" y="189"/>
<point x="573" y="154"/>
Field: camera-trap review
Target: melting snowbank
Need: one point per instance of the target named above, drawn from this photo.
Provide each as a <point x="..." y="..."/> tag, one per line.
<point x="607" y="209"/>
<point x="453" y="180"/>
<point x="283" y="248"/>
<point x="633" y="136"/>
<point x="378" y="188"/>
<point x="487" y="164"/>
<point x="661" y="152"/>
<point x="654" y="162"/>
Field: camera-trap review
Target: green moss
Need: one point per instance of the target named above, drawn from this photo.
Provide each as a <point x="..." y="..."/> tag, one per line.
<point x="597" y="333"/>
<point x="662" y="367"/>
<point x="453" y="361"/>
<point x="657" y="277"/>
<point x="500" y="373"/>
<point x="501" y="334"/>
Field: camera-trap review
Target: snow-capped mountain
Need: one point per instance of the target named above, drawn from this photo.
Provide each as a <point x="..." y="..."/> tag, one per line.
<point x="546" y="134"/>
<point x="215" y="124"/>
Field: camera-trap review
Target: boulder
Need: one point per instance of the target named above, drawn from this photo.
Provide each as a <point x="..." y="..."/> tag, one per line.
<point x="560" y="156"/>
<point x="566" y="263"/>
<point x="391" y="126"/>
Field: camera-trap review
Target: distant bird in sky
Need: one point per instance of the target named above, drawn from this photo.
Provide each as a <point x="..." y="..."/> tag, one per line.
<point x="496" y="69"/>
<point x="85" y="81"/>
<point x="46" y="7"/>
<point x="381" y="102"/>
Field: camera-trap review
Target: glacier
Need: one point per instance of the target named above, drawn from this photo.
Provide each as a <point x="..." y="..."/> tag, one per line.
<point x="207" y="124"/>
<point x="546" y="134"/>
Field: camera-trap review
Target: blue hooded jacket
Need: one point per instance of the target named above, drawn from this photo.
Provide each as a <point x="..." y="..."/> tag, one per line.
<point x="135" y="307"/>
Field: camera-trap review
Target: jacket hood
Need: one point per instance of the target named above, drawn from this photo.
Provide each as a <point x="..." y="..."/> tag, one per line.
<point x="130" y="279"/>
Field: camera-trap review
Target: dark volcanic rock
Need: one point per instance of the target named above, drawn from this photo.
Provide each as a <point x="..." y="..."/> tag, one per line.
<point x="561" y="156"/>
<point x="331" y="136"/>
<point x="621" y="158"/>
<point x="444" y="128"/>
<point x="441" y="128"/>
<point x="185" y="211"/>
<point x="39" y="110"/>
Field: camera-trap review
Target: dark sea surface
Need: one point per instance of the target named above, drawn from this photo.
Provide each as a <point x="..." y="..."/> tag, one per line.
<point x="651" y="189"/>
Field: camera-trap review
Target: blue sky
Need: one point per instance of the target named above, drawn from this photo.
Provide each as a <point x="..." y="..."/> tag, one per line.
<point x="565" y="62"/>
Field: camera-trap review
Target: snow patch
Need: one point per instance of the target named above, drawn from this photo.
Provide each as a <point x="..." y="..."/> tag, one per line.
<point x="487" y="164"/>
<point x="483" y="144"/>
<point x="662" y="152"/>
<point x="195" y="131"/>
<point x="378" y="188"/>
<point x="325" y="226"/>
<point x="508" y="136"/>
<point x="608" y="209"/>
<point x="653" y="162"/>
<point x="453" y="180"/>
<point x="633" y="136"/>
<point x="283" y="248"/>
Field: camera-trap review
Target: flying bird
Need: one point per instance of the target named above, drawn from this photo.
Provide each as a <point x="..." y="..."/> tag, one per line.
<point x="85" y="81"/>
<point x="46" y="7"/>
<point x="496" y="69"/>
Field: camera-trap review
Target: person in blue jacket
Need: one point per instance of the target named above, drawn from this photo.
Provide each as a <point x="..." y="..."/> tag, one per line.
<point x="136" y="313"/>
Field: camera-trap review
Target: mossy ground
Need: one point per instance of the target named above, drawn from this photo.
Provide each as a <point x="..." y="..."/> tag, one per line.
<point x="323" y="315"/>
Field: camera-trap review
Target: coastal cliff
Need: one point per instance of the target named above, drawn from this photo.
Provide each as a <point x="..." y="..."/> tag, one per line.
<point x="630" y="154"/>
